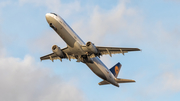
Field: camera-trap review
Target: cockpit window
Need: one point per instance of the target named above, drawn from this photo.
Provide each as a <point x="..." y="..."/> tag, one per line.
<point x="54" y="14"/>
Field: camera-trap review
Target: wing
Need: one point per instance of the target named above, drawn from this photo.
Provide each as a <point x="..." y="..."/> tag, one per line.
<point x="53" y="56"/>
<point x="49" y="56"/>
<point x="115" y="50"/>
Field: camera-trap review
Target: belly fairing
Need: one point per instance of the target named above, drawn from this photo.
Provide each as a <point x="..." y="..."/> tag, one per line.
<point x="95" y="68"/>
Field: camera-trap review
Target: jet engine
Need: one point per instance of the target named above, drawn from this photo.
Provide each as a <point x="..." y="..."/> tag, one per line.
<point x="57" y="50"/>
<point x="91" y="47"/>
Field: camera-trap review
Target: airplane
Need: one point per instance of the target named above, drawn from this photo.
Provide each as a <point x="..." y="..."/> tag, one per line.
<point x="86" y="53"/>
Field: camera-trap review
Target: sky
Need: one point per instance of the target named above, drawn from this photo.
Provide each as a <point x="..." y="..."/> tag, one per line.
<point x="151" y="25"/>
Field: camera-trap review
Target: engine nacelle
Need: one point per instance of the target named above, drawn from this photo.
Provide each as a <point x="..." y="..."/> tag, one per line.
<point x="91" y="47"/>
<point x="57" y="50"/>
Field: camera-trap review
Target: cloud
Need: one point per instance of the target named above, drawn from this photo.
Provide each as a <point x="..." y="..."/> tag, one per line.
<point x="4" y="3"/>
<point x="26" y="80"/>
<point x="163" y="40"/>
<point x="107" y="24"/>
<point x="166" y="82"/>
<point x="171" y="81"/>
<point x="0" y="39"/>
<point x="44" y="42"/>
<point x="53" y="5"/>
<point x="65" y="9"/>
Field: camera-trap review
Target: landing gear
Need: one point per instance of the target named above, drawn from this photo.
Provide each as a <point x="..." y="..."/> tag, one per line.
<point x="83" y="58"/>
<point x="52" y="26"/>
<point x="79" y="58"/>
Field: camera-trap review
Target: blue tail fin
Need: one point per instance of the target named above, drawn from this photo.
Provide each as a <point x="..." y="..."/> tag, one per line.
<point x="115" y="69"/>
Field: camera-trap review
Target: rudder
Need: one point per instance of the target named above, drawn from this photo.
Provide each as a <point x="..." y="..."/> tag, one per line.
<point x="115" y="69"/>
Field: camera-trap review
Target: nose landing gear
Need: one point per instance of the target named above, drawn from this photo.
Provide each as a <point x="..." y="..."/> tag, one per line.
<point x="52" y="26"/>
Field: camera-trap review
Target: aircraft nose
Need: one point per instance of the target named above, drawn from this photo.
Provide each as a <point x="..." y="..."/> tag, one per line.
<point x="48" y="15"/>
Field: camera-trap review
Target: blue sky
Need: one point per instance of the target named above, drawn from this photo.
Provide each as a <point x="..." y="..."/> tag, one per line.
<point x="151" y="25"/>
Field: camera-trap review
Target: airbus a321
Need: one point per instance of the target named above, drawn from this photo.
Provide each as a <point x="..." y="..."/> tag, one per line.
<point x="86" y="53"/>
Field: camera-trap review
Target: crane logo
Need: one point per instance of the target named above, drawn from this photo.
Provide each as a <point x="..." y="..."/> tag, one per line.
<point x="116" y="70"/>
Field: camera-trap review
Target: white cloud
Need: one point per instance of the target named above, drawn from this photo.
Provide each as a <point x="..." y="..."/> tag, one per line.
<point x="119" y="21"/>
<point x="171" y="81"/>
<point x="43" y="43"/>
<point x="26" y="80"/>
<point x="4" y="3"/>
<point x="51" y="4"/>
<point x="0" y="40"/>
<point x="55" y="6"/>
<point x="167" y="81"/>
<point x="163" y="40"/>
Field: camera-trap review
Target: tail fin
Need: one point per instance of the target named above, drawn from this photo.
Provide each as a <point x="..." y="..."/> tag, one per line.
<point x="115" y="69"/>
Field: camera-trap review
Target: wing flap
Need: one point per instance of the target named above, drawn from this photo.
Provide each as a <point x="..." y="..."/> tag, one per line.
<point x="115" y="50"/>
<point x="46" y="57"/>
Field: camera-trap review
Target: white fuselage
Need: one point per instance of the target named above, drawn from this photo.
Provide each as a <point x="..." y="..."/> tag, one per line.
<point x="74" y="43"/>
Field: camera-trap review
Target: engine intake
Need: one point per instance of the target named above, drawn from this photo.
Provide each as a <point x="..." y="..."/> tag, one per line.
<point x="91" y="47"/>
<point x="57" y="50"/>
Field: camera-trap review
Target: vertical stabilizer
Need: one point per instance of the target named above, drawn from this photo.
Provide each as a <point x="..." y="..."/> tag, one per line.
<point x="115" y="69"/>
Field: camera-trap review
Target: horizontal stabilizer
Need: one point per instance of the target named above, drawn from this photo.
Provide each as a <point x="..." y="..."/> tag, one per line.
<point x="119" y="80"/>
<point x="103" y="83"/>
